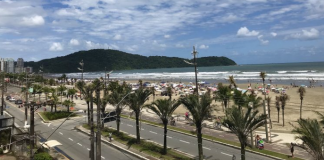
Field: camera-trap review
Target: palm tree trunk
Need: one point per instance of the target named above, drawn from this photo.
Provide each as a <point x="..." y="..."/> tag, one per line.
<point x="51" y="108"/>
<point x="242" y="151"/>
<point x="199" y="137"/>
<point x="301" y="106"/>
<point x="138" y="137"/>
<point x="165" y="137"/>
<point x="68" y="107"/>
<point x="278" y="115"/>
<point x="118" y="122"/>
<point x="283" y="117"/>
<point x="55" y="108"/>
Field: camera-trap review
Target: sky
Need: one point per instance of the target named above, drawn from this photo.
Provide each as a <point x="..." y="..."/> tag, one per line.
<point x="247" y="31"/>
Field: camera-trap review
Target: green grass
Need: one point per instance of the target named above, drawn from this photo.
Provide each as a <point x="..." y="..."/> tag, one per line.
<point x="43" y="116"/>
<point x="148" y="148"/>
<point x="48" y="116"/>
<point x="267" y="152"/>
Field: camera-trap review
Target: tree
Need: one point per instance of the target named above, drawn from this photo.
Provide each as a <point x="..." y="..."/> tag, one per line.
<point x="223" y="94"/>
<point x="278" y="105"/>
<point x="68" y="103"/>
<point x="164" y="108"/>
<point x="54" y="100"/>
<point x="301" y="90"/>
<point x="64" y="77"/>
<point x="87" y="91"/>
<point x="242" y="124"/>
<point x="136" y="102"/>
<point x="283" y="99"/>
<point x="51" y="82"/>
<point x="268" y="100"/>
<point x="200" y="110"/>
<point x="240" y="99"/>
<point x="153" y="93"/>
<point x="37" y="89"/>
<point x="169" y="92"/>
<point x="232" y="81"/>
<point x="116" y="98"/>
<point x="61" y="89"/>
<point x="72" y="92"/>
<point x="311" y="133"/>
<point x="46" y="91"/>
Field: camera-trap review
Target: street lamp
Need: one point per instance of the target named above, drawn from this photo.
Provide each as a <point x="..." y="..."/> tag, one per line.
<point x="194" y="53"/>
<point x="81" y="69"/>
<point x="41" y="71"/>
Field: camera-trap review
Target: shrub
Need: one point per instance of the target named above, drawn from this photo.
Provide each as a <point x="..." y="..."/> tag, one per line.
<point x="42" y="156"/>
<point x="1" y="151"/>
<point x="58" y="115"/>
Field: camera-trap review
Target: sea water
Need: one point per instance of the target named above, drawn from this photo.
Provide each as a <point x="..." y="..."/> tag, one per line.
<point x="281" y="73"/>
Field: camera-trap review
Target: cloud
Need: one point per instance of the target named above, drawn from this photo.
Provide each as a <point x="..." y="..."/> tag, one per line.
<point x="306" y="34"/>
<point x="167" y="36"/>
<point x="244" y="32"/>
<point x="33" y="21"/>
<point x="74" y="42"/>
<point x="230" y="18"/>
<point x="203" y="46"/>
<point x="117" y="37"/>
<point x="179" y="45"/>
<point x="315" y="9"/>
<point x="56" y="46"/>
<point x="132" y="48"/>
<point x="264" y="42"/>
<point x="273" y="34"/>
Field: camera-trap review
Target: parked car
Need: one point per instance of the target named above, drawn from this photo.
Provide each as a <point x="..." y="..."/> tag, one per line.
<point x="8" y="97"/>
<point x="19" y="101"/>
<point x="12" y="99"/>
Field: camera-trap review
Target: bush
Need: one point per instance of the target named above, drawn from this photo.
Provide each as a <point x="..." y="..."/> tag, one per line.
<point x="1" y="151"/>
<point x="57" y="115"/>
<point x="42" y="156"/>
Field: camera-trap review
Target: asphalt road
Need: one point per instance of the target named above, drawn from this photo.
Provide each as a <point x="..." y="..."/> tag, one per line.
<point x="76" y="145"/>
<point x="184" y="143"/>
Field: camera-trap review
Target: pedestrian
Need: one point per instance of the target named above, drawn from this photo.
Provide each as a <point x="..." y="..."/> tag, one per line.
<point x="292" y="149"/>
<point x="110" y="136"/>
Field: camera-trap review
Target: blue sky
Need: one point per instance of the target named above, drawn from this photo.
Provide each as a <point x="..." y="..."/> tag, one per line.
<point x="247" y="31"/>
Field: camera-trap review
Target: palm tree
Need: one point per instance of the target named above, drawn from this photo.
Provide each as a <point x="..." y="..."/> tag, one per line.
<point x="223" y="94"/>
<point x="72" y="92"/>
<point x="37" y="89"/>
<point x="136" y="102"/>
<point x="64" y="77"/>
<point x="232" y="81"/>
<point x="116" y="98"/>
<point x="46" y="91"/>
<point x="239" y="98"/>
<point x="278" y="106"/>
<point x="283" y="99"/>
<point x="164" y="108"/>
<point x="263" y="75"/>
<point x="169" y="92"/>
<point x="242" y="124"/>
<point x="87" y="91"/>
<point x="54" y="100"/>
<point x="61" y="89"/>
<point x="301" y="90"/>
<point x="51" y="82"/>
<point x="153" y="93"/>
<point x="68" y="103"/>
<point x="200" y="110"/>
<point x="268" y="100"/>
<point x="311" y="133"/>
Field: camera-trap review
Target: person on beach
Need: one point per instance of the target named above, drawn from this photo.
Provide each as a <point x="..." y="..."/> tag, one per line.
<point x="292" y="149"/>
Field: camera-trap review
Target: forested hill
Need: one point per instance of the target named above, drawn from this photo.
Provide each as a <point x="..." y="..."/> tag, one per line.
<point x="98" y="59"/>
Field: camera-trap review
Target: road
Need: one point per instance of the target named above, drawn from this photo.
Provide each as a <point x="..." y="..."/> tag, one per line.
<point x="75" y="144"/>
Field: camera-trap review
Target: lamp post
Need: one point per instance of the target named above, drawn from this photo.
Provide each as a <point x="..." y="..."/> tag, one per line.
<point x="194" y="53"/>
<point x="81" y="69"/>
<point x="251" y="133"/>
<point x="41" y="71"/>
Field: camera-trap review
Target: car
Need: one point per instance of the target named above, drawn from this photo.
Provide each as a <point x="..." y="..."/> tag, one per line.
<point x="8" y="97"/>
<point x="19" y="101"/>
<point x="12" y="99"/>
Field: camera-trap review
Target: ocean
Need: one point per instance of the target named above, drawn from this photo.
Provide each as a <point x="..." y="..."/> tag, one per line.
<point x="281" y="73"/>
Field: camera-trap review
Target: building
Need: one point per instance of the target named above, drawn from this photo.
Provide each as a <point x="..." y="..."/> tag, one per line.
<point x="20" y="66"/>
<point x="28" y="69"/>
<point x="3" y="65"/>
<point x="10" y="65"/>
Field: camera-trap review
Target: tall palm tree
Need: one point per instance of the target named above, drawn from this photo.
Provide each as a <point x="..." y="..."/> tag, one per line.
<point x="61" y="89"/>
<point x="64" y="77"/>
<point x="71" y="92"/>
<point x="301" y="90"/>
<point x="278" y="105"/>
<point x="169" y="92"/>
<point x="46" y="91"/>
<point x="268" y="100"/>
<point x="232" y="81"/>
<point x="239" y="98"/>
<point x="37" y="89"/>
<point x="68" y="103"/>
<point x="311" y="133"/>
<point x="164" y="108"/>
<point x="242" y="124"/>
<point x="136" y="102"/>
<point x="200" y="110"/>
<point x="263" y="75"/>
<point x="87" y="91"/>
<point x="153" y="93"/>
<point x="54" y="100"/>
<point x="116" y="98"/>
<point x="283" y="99"/>
<point x="223" y="94"/>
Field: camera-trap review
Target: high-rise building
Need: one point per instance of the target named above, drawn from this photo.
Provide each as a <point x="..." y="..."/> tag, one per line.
<point x="3" y="65"/>
<point x="10" y="65"/>
<point x="20" y="65"/>
<point x="28" y="69"/>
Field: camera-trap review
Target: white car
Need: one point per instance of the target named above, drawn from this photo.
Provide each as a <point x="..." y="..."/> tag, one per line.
<point x="12" y="99"/>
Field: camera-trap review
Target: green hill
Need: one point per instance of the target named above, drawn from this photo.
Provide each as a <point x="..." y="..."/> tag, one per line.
<point x="98" y="59"/>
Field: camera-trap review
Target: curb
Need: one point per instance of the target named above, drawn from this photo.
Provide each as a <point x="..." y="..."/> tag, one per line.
<point x="229" y="145"/>
<point x="42" y="118"/>
<point x="115" y="146"/>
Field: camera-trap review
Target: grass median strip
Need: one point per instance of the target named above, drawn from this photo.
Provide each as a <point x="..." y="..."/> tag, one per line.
<point x="48" y="116"/>
<point x="146" y="147"/>
<point x="267" y="152"/>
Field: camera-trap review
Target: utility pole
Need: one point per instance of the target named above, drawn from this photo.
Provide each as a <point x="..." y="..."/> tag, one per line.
<point x="31" y="133"/>
<point x="105" y="88"/>
<point x="91" y="128"/>
<point x="3" y="89"/>
<point x="98" y="135"/>
<point x="41" y="70"/>
<point x="195" y="63"/>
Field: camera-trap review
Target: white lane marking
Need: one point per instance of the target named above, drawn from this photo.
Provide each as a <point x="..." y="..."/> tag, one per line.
<point x="129" y="125"/>
<point x="49" y="124"/>
<point x="169" y="137"/>
<point x="226" y="154"/>
<point x="88" y="149"/>
<point x="207" y="148"/>
<point x="103" y="157"/>
<point x="184" y="141"/>
<point x="79" y="144"/>
<point x="71" y="139"/>
<point x="221" y="135"/>
<point x="61" y="133"/>
<point x="153" y="132"/>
